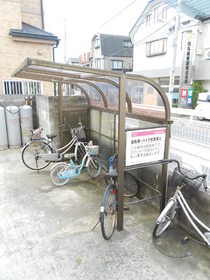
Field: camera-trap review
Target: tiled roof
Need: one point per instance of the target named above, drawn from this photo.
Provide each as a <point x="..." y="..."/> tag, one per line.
<point x="113" y="45"/>
<point x="29" y="31"/>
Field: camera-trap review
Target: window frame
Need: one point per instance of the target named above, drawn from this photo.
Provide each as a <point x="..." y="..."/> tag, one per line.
<point x="154" y="48"/>
<point x="117" y="62"/>
<point x="22" y="87"/>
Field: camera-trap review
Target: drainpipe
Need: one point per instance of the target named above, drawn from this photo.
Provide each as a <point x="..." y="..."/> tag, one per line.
<point x="42" y="13"/>
<point x="53" y="55"/>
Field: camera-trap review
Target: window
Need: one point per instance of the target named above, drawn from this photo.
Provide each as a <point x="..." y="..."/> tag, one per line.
<point x="127" y="44"/>
<point x="117" y="64"/>
<point x="156" y="14"/>
<point x="21" y="87"/>
<point x="156" y="47"/>
<point x="148" y="20"/>
<point x="98" y="63"/>
<point x="164" y="13"/>
<point x="97" y="43"/>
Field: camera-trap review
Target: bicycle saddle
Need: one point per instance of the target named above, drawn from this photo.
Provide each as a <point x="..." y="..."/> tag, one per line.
<point x="51" y="136"/>
<point x="111" y="174"/>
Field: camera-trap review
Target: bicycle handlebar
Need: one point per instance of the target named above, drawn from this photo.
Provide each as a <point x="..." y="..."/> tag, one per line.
<point x="185" y="176"/>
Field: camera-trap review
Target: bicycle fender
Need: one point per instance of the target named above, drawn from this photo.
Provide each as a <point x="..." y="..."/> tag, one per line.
<point x="57" y="165"/>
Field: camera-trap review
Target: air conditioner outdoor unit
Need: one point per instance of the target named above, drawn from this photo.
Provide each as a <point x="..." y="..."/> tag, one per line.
<point x="207" y="54"/>
<point x="199" y="52"/>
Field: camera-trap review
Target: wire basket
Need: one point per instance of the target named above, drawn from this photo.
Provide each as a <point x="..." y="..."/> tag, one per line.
<point x="36" y="134"/>
<point x="191" y="187"/>
<point x="94" y="150"/>
<point x="80" y="132"/>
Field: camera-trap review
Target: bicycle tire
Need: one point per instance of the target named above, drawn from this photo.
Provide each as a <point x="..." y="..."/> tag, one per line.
<point x="164" y="219"/>
<point x="30" y="154"/>
<point x="80" y="153"/>
<point x="94" y="167"/>
<point x="131" y="186"/>
<point x="54" y="174"/>
<point x="108" y="211"/>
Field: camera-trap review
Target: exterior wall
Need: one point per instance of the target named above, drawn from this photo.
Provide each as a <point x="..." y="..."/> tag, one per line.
<point x="47" y="110"/>
<point x="31" y="12"/>
<point x="127" y="62"/>
<point x="14" y="52"/>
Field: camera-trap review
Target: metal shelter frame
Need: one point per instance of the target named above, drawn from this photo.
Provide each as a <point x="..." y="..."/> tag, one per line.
<point x="68" y="74"/>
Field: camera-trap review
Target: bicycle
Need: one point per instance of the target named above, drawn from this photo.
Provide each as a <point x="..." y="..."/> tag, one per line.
<point x="62" y="172"/>
<point x="41" y="151"/>
<point x="177" y="202"/>
<point x="109" y="204"/>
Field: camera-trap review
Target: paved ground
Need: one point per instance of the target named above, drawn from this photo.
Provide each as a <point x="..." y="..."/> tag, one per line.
<point x="46" y="233"/>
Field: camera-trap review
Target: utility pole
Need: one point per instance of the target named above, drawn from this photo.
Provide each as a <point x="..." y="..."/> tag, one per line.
<point x="173" y="68"/>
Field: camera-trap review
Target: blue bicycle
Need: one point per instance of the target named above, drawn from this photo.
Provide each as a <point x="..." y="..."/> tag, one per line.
<point x="62" y="172"/>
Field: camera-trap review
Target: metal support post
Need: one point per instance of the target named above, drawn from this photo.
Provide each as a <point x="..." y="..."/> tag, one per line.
<point x="121" y="150"/>
<point x="60" y="111"/>
<point x="173" y="67"/>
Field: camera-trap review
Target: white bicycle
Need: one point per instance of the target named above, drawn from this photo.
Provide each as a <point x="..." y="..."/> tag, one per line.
<point x="177" y="201"/>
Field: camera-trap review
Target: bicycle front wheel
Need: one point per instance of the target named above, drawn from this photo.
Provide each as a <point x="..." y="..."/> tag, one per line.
<point x="131" y="186"/>
<point x="94" y="167"/>
<point x="108" y="212"/>
<point x="59" y="173"/>
<point x="164" y="220"/>
<point x="31" y="154"/>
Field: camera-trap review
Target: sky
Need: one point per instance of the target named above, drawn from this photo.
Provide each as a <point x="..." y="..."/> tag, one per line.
<point x="75" y="22"/>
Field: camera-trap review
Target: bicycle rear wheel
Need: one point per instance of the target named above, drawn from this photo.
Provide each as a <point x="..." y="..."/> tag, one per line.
<point x="131" y="186"/>
<point x="31" y="152"/>
<point x="164" y="220"/>
<point x="94" y="167"/>
<point x="108" y="211"/>
<point x="58" y="174"/>
<point x="80" y="153"/>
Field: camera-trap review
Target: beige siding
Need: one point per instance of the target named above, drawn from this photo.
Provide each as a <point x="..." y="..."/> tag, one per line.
<point x="31" y="12"/>
<point x="13" y="53"/>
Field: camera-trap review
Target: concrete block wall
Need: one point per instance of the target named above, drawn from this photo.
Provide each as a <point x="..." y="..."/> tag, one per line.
<point x="47" y="109"/>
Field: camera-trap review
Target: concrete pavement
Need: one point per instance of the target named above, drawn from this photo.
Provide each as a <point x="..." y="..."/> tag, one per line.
<point x="46" y="233"/>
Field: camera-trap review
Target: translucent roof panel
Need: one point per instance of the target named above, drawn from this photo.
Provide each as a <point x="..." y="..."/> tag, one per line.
<point x="146" y="100"/>
<point x="95" y="96"/>
<point x="111" y="93"/>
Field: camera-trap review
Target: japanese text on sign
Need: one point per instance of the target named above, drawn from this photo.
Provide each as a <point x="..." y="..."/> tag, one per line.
<point x="145" y="145"/>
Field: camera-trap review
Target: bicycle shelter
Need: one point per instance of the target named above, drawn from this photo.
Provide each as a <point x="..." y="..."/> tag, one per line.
<point x="140" y="109"/>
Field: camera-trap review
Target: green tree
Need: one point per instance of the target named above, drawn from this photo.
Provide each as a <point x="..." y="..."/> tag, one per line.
<point x="197" y="88"/>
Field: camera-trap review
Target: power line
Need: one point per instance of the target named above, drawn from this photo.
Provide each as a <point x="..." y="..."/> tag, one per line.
<point x="116" y="15"/>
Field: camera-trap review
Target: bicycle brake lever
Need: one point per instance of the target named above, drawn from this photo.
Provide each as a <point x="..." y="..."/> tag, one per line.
<point x="205" y="184"/>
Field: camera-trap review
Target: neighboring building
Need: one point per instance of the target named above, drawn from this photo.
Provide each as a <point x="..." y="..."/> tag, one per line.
<point x="112" y="52"/>
<point x="73" y="61"/>
<point x="84" y="59"/>
<point x="153" y="38"/>
<point x="22" y="35"/>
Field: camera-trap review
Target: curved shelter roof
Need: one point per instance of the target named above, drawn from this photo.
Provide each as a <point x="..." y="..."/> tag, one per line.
<point x="144" y="98"/>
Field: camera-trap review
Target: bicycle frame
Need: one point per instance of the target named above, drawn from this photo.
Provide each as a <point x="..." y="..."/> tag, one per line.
<point x="57" y="155"/>
<point x="179" y="199"/>
<point x="75" y="170"/>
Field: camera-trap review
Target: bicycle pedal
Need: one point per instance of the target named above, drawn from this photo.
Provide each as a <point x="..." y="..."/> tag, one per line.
<point x="185" y="240"/>
<point x="126" y="207"/>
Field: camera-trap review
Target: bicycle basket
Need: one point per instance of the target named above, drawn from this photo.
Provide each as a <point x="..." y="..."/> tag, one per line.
<point x="94" y="150"/>
<point x="36" y="134"/>
<point x="80" y="132"/>
<point x="190" y="186"/>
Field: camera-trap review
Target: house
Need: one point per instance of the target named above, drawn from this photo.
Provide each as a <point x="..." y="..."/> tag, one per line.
<point x="153" y="38"/>
<point x="22" y="35"/>
<point x="112" y="52"/>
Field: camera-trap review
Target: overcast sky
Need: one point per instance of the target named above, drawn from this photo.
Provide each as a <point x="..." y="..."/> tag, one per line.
<point x="77" y="21"/>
